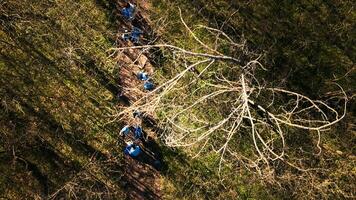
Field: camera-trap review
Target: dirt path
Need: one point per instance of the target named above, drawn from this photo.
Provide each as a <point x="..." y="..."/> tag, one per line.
<point x="141" y="180"/>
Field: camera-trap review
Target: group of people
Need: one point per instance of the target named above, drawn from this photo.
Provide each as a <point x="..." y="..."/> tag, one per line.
<point x="135" y="132"/>
<point x="128" y="13"/>
<point x="148" y="84"/>
<point x="132" y="136"/>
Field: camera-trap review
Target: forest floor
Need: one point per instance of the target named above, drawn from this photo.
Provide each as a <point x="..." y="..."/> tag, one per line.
<point x="60" y="83"/>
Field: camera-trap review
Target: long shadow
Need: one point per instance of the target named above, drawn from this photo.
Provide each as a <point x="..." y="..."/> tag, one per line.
<point x="33" y="54"/>
<point x="89" y="66"/>
<point x="150" y="122"/>
<point x="20" y="69"/>
<point x="53" y="125"/>
<point x="47" y="151"/>
<point x="141" y="172"/>
<point x="100" y="75"/>
<point x="73" y="139"/>
<point x="44" y="149"/>
<point x="139" y="178"/>
<point x="138" y="189"/>
<point x="110" y="10"/>
<point x="20" y="123"/>
<point x="40" y="113"/>
<point x="152" y="154"/>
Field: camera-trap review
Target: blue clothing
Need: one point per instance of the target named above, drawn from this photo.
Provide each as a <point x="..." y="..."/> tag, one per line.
<point x="148" y="86"/>
<point x="142" y="76"/>
<point x="128" y="12"/>
<point x="126" y="151"/>
<point x="132" y="150"/>
<point x="138" y="132"/>
<point x="135" y="34"/>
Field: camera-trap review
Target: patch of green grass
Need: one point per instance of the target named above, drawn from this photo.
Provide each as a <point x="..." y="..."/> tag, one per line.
<point x="56" y="101"/>
<point x="303" y="50"/>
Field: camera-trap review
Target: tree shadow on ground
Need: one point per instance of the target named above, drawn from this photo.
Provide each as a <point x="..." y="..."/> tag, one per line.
<point x="140" y="177"/>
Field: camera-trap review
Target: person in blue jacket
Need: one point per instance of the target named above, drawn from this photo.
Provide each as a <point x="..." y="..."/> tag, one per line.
<point x="136" y="34"/>
<point x="128" y="12"/>
<point x="137" y="132"/>
<point x="133" y="36"/>
<point x="132" y="150"/>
